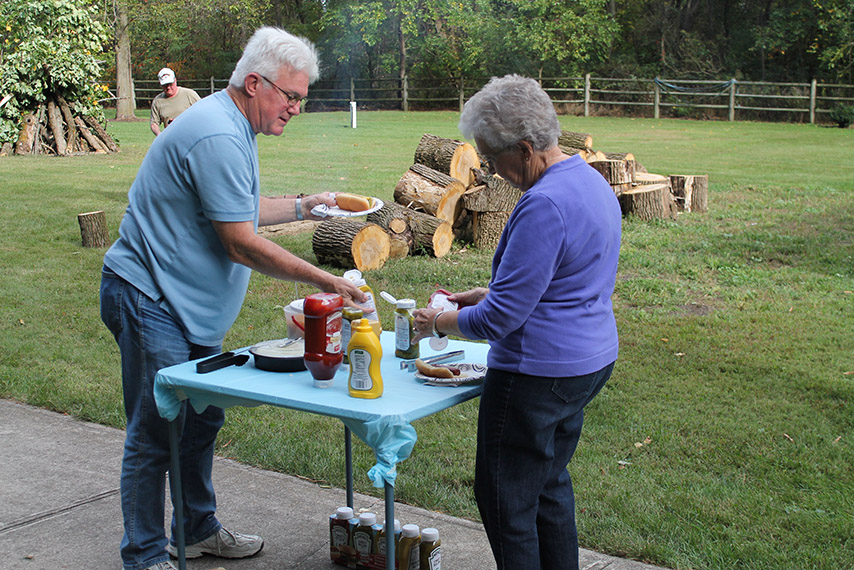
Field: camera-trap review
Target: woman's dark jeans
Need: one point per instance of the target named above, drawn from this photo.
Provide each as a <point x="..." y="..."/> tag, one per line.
<point x="528" y="429"/>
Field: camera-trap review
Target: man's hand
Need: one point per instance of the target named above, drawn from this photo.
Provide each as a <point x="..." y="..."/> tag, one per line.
<point x="309" y="202"/>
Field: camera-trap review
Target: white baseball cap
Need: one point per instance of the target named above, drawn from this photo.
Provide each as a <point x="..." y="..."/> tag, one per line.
<point x="166" y="76"/>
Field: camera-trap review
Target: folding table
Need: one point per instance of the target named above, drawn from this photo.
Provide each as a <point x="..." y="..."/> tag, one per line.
<point x="383" y="423"/>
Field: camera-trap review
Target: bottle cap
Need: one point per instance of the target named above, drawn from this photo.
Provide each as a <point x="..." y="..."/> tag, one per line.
<point x="367" y="519"/>
<point x="396" y="525"/>
<point x="429" y="535"/>
<point x="409" y="530"/>
<point x="363" y="325"/>
<point x="355" y="276"/>
<point x="345" y="513"/>
<point x="406" y="303"/>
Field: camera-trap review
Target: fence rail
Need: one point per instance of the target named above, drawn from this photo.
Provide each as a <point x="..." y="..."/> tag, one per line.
<point x="587" y="95"/>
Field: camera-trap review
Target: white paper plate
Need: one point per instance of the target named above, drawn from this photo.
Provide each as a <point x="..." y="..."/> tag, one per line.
<point x="469" y="374"/>
<point x="324" y="210"/>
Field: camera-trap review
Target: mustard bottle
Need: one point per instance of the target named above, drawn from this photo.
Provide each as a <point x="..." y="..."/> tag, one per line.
<point x="365" y="353"/>
<point x="369" y="307"/>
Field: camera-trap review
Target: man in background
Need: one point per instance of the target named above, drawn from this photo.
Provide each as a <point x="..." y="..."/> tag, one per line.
<point x="172" y="102"/>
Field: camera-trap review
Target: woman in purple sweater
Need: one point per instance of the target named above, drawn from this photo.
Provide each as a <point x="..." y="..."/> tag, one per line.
<point x="548" y="318"/>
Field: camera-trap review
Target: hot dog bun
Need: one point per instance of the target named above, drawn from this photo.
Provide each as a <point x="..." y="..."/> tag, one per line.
<point x="434" y="371"/>
<point x="352" y="202"/>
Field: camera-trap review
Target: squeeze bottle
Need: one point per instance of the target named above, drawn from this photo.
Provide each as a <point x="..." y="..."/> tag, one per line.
<point x="365" y="353"/>
<point x="369" y="307"/>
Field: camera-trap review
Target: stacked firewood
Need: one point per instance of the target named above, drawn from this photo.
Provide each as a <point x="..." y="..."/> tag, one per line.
<point x="449" y="194"/>
<point x="53" y="129"/>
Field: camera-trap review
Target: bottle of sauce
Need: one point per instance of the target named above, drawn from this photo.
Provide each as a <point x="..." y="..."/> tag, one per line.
<point x="348" y="314"/>
<point x="430" y="550"/>
<point x="404" y="329"/>
<point x="365" y="353"/>
<point x="409" y="551"/>
<point x="381" y="537"/>
<point x="365" y="537"/>
<point x="369" y="307"/>
<point x="340" y="531"/>
<point x="323" y="336"/>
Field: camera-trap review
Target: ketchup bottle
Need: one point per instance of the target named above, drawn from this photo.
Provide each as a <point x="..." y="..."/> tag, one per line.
<point x="323" y="336"/>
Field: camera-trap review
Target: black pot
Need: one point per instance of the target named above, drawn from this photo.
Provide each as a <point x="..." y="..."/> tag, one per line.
<point x="270" y="355"/>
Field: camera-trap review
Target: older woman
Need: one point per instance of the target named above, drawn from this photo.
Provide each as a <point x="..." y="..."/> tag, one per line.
<point x="547" y="315"/>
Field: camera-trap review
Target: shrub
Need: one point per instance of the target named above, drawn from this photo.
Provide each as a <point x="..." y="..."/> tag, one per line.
<point x="842" y="115"/>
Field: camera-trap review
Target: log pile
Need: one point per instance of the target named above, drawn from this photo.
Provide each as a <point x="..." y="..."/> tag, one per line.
<point x="449" y="194"/>
<point x="53" y="129"/>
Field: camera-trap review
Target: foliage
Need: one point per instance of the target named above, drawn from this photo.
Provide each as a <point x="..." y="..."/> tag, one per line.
<point x="842" y="115"/>
<point x="48" y="46"/>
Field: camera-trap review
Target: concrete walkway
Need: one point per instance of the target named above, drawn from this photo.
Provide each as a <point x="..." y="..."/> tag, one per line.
<point x="60" y="507"/>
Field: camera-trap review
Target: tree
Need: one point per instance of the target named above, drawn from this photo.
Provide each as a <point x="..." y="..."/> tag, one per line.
<point x="48" y="47"/>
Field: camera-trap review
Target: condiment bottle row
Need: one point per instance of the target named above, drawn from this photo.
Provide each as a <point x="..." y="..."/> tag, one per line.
<point x="360" y="543"/>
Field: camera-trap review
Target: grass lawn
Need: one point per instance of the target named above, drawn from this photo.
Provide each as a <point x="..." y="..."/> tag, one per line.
<point x="722" y="441"/>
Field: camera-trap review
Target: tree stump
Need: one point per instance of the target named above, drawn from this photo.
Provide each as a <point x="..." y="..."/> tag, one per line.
<point x="648" y="202"/>
<point x="393" y="219"/>
<point x="614" y="171"/>
<point x="93" y="229"/>
<point x="451" y="157"/>
<point x="426" y="189"/>
<point x="691" y="192"/>
<point x="347" y="243"/>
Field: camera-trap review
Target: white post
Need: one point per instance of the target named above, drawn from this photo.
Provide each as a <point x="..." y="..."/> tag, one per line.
<point x="352" y="114"/>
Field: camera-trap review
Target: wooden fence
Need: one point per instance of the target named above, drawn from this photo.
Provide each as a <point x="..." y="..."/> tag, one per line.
<point x="590" y="96"/>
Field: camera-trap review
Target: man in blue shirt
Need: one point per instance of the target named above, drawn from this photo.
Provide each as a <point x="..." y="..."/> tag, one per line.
<point x="175" y="280"/>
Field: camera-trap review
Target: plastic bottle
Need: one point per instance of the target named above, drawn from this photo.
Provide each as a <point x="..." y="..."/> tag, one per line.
<point x="409" y="549"/>
<point x="381" y="537"/>
<point x="369" y="307"/>
<point x="404" y="329"/>
<point x="439" y="300"/>
<point x="340" y="530"/>
<point x="365" y="353"/>
<point x="348" y="314"/>
<point x="323" y="336"/>
<point x="430" y="550"/>
<point x="365" y="536"/>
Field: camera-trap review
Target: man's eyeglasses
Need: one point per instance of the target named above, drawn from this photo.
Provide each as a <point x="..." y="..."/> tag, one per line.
<point x="290" y="98"/>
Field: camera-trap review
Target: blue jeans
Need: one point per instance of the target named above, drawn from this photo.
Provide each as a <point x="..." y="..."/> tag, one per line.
<point x="149" y="339"/>
<point x="528" y="429"/>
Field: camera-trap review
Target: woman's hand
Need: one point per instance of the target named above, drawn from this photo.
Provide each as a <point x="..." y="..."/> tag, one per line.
<point x="423" y="323"/>
<point x="470" y="297"/>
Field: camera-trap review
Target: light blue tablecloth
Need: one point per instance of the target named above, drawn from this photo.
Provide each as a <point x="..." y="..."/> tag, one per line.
<point x="384" y="423"/>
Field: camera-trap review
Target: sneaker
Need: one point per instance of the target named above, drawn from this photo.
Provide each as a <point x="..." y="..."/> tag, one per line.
<point x="225" y="544"/>
<point x="166" y="565"/>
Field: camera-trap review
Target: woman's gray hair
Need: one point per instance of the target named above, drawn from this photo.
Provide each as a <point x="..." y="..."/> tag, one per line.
<point x="510" y="109"/>
<point x="269" y="49"/>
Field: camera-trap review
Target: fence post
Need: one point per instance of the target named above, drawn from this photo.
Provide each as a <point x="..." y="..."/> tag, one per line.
<point x="352" y="90"/>
<point x="813" y="90"/>
<point x="732" y="100"/>
<point x="212" y="85"/>
<point x="405" y="102"/>
<point x="656" y="99"/>
<point x="462" y="93"/>
<point x="586" y="94"/>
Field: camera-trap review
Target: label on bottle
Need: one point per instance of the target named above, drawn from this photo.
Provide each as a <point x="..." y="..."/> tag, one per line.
<point x="363" y="541"/>
<point x="340" y="534"/>
<point x="333" y="333"/>
<point x="402" y="328"/>
<point x="360" y="362"/>
<point x="434" y="559"/>
<point x="346" y="327"/>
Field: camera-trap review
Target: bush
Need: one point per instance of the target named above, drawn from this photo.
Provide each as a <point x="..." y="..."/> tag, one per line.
<point x="842" y="115"/>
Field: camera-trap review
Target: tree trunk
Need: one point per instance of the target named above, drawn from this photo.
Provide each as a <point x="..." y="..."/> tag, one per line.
<point x="648" y="202"/>
<point x="125" y="98"/>
<point x="691" y="192"/>
<point x="393" y="218"/>
<point x="423" y="188"/>
<point x="69" y="122"/>
<point x="348" y="243"/>
<point x="576" y="140"/>
<point x="27" y="136"/>
<point x="431" y="236"/>
<point x="451" y="157"/>
<point x="487" y="228"/>
<point x="494" y="194"/>
<point x="573" y="150"/>
<point x="93" y="229"/>
<point x="54" y="119"/>
<point x="102" y="134"/>
<point x="97" y="145"/>
<point x="614" y="171"/>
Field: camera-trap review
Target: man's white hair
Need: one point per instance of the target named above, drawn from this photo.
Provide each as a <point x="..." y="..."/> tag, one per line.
<point x="269" y="49"/>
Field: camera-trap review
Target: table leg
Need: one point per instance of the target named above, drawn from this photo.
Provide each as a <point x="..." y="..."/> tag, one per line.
<point x="176" y="490"/>
<point x="348" y="461"/>
<point x="389" y="525"/>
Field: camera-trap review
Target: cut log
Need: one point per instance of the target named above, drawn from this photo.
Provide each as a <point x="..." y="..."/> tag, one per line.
<point x="619" y="156"/>
<point x="614" y="171"/>
<point x="620" y="188"/>
<point x="493" y="194"/>
<point x="54" y="119"/>
<point x="68" y="117"/>
<point x="577" y="140"/>
<point x="649" y="178"/>
<point x="452" y="157"/>
<point x="93" y="229"/>
<point x="691" y="192"/>
<point x="393" y="218"/>
<point x="93" y="141"/>
<point x="105" y="138"/>
<point x="348" y="243"/>
<point x="572" y="150"/>
<point x="487" y="228"/>
<point x="648" y="202"/>
<point x="428" y="190"/>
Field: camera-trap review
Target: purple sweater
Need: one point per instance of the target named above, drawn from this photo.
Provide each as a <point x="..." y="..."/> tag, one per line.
<point x="548" y="311"/>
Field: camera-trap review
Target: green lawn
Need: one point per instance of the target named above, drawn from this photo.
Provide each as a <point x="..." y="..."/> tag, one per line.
<point x="723" y="439"/>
